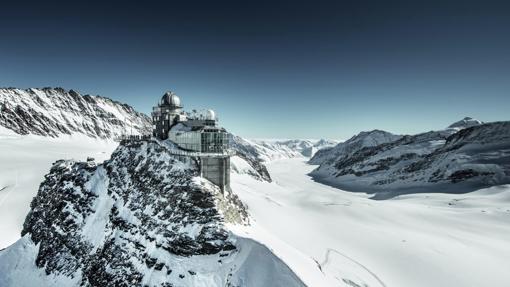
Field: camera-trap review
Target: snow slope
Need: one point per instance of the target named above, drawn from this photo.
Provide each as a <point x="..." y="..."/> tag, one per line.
<point x="40" y="126"/>
<point x="460" y="239"/>
<point x="428" y="239"/>
<point x="24" y="160"/>
<point x="54" y="112"/>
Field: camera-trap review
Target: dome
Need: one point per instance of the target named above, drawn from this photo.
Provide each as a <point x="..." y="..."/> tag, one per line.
<point x="210" y="115"/>
<point x="171" y="99"/>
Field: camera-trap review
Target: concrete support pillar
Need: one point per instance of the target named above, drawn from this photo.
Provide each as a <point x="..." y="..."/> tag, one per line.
<point x="216" y="170"/>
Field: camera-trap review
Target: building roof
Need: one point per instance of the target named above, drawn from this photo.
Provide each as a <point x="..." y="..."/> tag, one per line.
<point x="171" y="99"/>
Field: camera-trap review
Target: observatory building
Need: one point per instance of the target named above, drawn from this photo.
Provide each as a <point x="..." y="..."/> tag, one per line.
<point x="196" y="134"/>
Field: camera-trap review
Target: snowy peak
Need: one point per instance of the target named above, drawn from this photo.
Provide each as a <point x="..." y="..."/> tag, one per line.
<point x="55" y="112"/>
<point x="372" y="138"/>
<point x="357" y="142"/>
<point x="466" y="122"/>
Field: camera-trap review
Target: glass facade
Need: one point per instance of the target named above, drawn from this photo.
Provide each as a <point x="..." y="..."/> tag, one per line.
<point x="212" y="141"/>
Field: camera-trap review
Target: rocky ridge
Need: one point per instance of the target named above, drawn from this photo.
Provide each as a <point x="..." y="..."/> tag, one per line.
<point x="53" y="112"/>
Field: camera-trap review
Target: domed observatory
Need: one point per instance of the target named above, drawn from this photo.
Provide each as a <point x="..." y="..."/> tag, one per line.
<point x="166" y="114"/>
<point x="196" y="134"/>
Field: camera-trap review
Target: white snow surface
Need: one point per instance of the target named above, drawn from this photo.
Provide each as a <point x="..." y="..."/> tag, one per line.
<point x="326" y="236"/>
<point x="330" y="237"/>
<point x="251" y="264"/>
<point x="24" y="160"/>
<point x="17" y="264"/>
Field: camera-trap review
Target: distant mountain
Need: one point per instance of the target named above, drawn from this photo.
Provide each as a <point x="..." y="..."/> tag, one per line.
<point x="466" y="122"/>
<point x="142" y="218"/>
<point x="357" y="142"/>
<point x="269" y="150"/>
<point x="251" y="155"/>
<point x="54" y="112"/>
<point x="467" y="152"/>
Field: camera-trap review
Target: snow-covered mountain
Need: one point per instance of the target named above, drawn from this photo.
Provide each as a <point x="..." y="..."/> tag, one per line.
<point x="466" y="122"/>
<point x="268" y="150"/>
<point x="468" y="152"/>
<point x="54" y="112"/>
<point x="142" y="218"/>
<point x="357" y="142"/>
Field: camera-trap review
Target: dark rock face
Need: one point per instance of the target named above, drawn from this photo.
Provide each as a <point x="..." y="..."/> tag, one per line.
<point x="104" y="221"/>
<point x="461" y="175"/>
<point x="54" y="111"/>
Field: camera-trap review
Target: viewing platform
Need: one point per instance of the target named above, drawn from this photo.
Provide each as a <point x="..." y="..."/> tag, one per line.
<point x="174" y="148"/>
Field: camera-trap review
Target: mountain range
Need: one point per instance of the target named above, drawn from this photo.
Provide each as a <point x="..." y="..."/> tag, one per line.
<point x="54" y="112"/>
<point x="468" y="154"/>
<point x="145" y="217"/>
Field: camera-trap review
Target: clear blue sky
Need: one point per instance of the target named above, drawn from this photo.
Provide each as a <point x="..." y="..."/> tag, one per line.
<point x="276" y="69"/>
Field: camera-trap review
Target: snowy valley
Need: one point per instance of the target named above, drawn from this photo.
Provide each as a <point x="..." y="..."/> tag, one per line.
<point x="379" y="209"/>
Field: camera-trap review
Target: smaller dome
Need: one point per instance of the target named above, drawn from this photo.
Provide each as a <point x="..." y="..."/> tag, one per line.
<point x="210" y="115"/>
<point x="171" y="99"/>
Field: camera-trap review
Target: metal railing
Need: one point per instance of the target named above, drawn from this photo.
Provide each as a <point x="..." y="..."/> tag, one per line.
<point x="174" y="148"/>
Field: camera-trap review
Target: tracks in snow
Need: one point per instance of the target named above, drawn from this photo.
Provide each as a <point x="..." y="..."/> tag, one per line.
<point x="2" y="200"/>
<point x="327" y="260"/>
